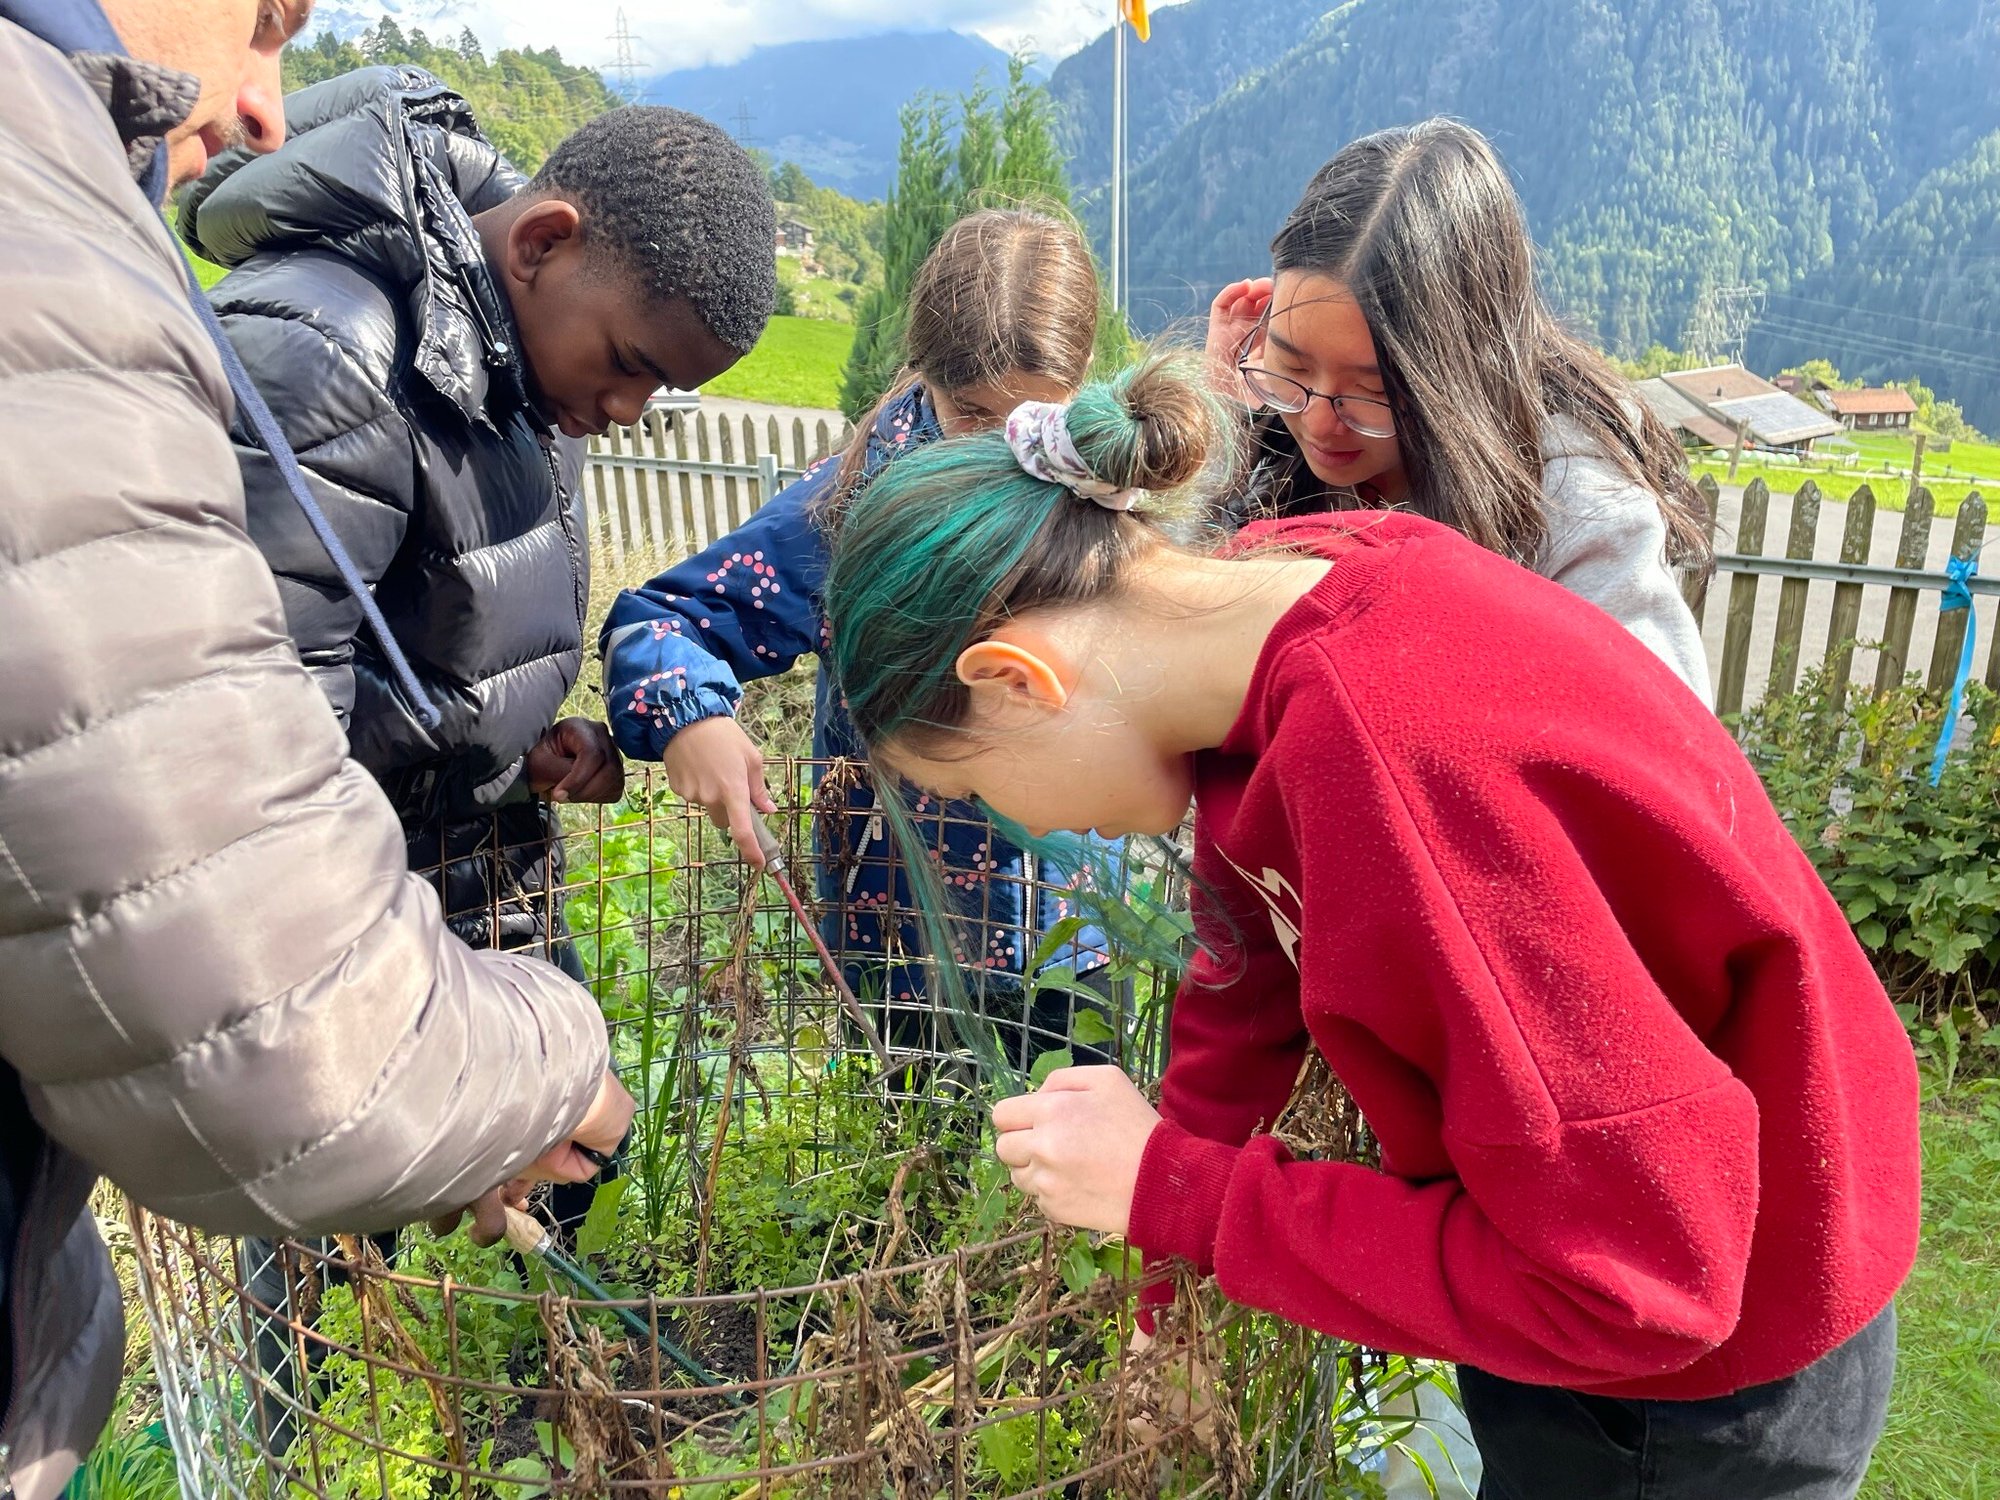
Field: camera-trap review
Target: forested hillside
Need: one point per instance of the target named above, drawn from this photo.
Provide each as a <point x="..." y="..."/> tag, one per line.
<point x="1921" y="293"/>
<point x="526" y="101"/>
<point x="1197" y="54"/>
<point x="1662" y="146"/>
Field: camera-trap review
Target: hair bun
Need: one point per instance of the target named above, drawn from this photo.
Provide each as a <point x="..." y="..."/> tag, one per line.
<point x="1153" y="427"/>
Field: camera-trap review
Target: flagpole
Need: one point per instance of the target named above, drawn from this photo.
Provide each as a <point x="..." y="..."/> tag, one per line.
<point x="1117" y="156"/>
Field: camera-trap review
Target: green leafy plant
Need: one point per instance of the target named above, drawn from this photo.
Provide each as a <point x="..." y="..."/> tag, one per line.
<point x="1916" y="868"/>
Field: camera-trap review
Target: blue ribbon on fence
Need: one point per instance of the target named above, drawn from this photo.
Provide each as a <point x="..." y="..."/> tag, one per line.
<point x="1956" y="596"/>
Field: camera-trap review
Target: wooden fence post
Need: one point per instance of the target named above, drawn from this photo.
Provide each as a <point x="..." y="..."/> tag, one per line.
<point x="1694" y="587"/>
<point x="1856" y="540"/>
<point x="659" y="497"/>
<point x="1742" y="602"/>
<point x="711" y="528"/>
<point x="689" y="534"/>
<point x="726" y="451"/>
<point x="1911" y="551"/>
<point x="616" y="437"/>
<point x="1788" y="640"/>
<point x="1965" y="539"/>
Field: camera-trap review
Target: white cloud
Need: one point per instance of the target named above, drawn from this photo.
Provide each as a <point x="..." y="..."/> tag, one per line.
<point x="672" y="34"/>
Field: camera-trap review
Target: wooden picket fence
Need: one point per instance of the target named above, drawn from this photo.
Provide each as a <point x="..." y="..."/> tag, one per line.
<point x="1871" y="597"/>
<point x="679" y="480"/>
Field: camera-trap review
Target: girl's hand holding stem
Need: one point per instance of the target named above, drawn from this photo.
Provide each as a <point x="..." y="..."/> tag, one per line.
<point x="1074" y="1145"/>
<point x="715" y="765"/>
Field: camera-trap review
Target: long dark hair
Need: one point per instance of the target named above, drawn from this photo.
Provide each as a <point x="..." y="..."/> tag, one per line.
<point x="1423" y="228"/>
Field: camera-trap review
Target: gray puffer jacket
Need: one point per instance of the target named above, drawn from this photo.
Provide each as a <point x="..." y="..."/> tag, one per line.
<point x="362" y="304"/>
<point x="219" y="985"/>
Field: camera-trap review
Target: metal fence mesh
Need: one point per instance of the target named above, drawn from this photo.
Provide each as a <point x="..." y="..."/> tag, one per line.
<point x="808" y="1277"/>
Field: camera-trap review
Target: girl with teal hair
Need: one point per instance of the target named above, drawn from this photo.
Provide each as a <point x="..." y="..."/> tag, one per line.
<point x="1647" y="1121"/>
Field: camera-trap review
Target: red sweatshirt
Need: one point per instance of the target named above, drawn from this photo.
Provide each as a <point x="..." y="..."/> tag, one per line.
<point x="1648" y="1121"/>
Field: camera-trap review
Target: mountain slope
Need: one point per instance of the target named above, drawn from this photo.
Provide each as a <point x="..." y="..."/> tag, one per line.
<point x="1918" y="296"/>
<point x="832" y="106"/>
<point x="1197" y="53"/>
<point x="1658" y="144"/>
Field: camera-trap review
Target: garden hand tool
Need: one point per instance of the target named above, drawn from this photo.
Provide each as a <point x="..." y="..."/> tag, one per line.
<point x="531" y="1238"/>
<point x="774" y="866"/>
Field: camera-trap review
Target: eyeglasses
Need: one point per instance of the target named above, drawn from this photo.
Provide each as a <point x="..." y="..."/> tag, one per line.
<point x="1362" y="414"/>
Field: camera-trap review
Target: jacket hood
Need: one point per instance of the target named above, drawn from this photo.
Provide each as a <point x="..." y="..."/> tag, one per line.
<point x="902" y="424"/>
<point x="384" y="167"/>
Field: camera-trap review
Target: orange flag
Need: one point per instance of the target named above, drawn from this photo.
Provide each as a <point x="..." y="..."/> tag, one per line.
<point x="1135" y="12"/>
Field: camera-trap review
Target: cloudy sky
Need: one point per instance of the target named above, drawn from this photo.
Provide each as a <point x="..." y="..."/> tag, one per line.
<point x="670" y="34"/>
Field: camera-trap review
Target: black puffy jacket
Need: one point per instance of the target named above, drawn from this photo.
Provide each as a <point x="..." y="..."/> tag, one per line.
<point x="361" y="301"/>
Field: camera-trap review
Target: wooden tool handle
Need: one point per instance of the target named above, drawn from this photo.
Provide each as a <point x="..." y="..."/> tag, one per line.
<point x="525" y="1233"/>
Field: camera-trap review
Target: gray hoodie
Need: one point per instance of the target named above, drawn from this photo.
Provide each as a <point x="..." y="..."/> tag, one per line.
<point x="1607" y="543"/>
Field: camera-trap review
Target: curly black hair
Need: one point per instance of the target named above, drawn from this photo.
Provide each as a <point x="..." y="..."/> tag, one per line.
<point x="682" y="205"/>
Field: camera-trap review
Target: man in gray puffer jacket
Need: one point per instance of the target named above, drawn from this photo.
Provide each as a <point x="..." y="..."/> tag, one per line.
<point x="434" y="335"/>
<point x="219" y="985"/>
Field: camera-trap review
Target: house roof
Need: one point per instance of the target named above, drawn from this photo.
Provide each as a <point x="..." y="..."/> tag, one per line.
<point x="1728" y="394"/>
<point x="1682" y="415"/>
<point x="1718" y="383"/>
<point x="1875" y="401"/>
<point x="1777" y="418"/>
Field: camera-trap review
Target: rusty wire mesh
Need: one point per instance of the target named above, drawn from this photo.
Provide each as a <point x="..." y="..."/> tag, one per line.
<point x="811" y="1277"/>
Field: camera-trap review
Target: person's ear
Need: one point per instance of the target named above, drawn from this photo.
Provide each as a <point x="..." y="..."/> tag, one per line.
<point x="1025" y="675"/>
<point x="541" y="234"/>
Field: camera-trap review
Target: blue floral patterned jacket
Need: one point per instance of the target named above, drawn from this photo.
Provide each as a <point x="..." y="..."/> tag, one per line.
<point x="678" y="650"/>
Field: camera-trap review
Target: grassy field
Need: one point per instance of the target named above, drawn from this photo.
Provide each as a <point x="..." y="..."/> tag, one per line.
<point x="1944" y="1424"/>
<point x="798" y="362"/>
<point x="1883" y="464"/>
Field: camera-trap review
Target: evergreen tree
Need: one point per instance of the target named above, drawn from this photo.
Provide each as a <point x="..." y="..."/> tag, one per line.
<point x="1005" y="156"/>
<point x="921" y="205"/>
<point x="1030" y="166"/>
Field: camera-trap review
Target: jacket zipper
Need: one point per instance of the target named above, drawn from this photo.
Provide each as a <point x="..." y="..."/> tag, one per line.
<point x="570" y="541"/>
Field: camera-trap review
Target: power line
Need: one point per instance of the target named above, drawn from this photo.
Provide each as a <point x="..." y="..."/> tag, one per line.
<point x="1872" y="345"/>
<point x="744" y="120"/>
<point x="1871" y="312"/>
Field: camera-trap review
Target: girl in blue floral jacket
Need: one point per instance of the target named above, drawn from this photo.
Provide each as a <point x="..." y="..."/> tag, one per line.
<point x="1003" y="311"/>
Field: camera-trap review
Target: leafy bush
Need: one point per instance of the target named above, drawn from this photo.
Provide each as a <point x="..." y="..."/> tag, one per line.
<point x="1915" y="867"/>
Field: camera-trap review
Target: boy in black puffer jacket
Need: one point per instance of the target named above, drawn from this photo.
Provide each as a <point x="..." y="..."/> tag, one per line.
<point x="437" y="336"/>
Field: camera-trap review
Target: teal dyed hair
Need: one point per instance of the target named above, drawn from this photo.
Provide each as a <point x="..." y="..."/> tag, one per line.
<point x="948" y="541"/>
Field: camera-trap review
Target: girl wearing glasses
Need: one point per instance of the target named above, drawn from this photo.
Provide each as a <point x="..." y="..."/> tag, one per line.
<point x="1401" y="356"/>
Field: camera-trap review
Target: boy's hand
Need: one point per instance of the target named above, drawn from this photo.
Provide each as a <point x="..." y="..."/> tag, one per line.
<point x="1232" y="316"/>
<point x="715" y="765"/>
<point x="601" y="1130"/>
<point x="575" y="761"/>
<point x="1074" y="1145"/>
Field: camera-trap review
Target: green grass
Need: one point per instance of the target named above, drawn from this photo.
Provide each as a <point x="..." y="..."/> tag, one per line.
<point x="798" y="362"/>
<point x="1944" y="1423"/>
<point x="1884" y="466"/>
<point x="1835" y="484"/>
<point x="1887" y="450"/>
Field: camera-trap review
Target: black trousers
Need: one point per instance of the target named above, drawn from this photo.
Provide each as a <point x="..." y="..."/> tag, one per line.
<point x="1808" y="1437"/>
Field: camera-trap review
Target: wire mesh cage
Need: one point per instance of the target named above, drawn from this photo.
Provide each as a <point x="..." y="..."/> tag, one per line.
<point x="808" y="1276"/>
